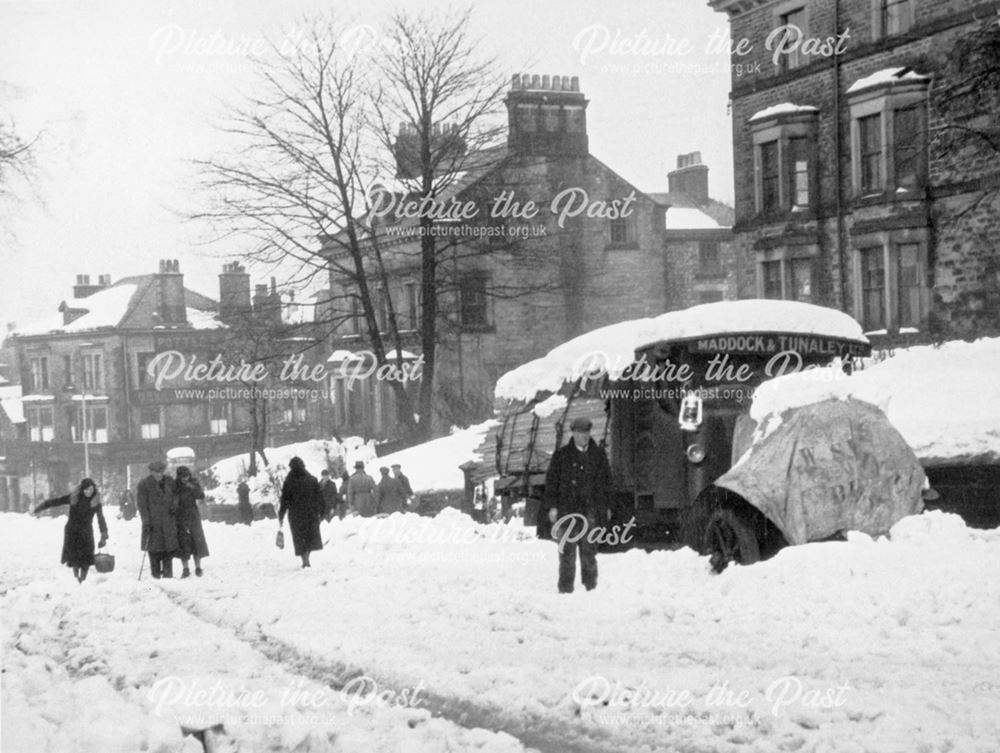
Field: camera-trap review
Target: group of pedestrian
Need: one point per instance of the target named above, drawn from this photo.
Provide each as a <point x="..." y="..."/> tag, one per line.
<point x="171" y="520"/>
<point x="368" y="498"/>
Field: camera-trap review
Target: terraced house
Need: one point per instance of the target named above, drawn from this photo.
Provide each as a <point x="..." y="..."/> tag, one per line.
<point x="84" y="400"/>
<point x="867" y="164"/>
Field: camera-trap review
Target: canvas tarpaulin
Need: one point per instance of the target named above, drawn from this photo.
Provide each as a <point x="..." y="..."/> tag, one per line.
<point x="836" y="465"/>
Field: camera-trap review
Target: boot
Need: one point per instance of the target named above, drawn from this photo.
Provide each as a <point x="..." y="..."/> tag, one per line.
<point x="186" y="573"/>
<point x="197" y="571"/>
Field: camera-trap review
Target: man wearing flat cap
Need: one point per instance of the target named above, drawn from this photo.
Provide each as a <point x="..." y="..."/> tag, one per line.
<point x="158" y="512"/>
<point x="361" y="492"/>
<point x="578" y="483"/>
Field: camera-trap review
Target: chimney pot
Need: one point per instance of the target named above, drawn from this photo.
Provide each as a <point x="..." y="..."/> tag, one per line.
<point x="546" y="84"/>
<point x="515" y="81"/>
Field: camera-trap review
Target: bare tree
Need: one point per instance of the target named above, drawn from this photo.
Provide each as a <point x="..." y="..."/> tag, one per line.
<point x="298" y="178"/>
<point x="443" y="96"/>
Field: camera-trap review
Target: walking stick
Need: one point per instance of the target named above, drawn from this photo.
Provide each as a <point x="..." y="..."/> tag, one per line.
<point x="141" y="565"/>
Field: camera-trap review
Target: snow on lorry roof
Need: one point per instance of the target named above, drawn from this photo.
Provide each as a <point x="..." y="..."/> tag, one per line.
<point x="614" y="346"/>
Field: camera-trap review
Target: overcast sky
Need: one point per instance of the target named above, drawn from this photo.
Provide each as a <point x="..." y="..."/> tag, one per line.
<point x="124" y="93"/>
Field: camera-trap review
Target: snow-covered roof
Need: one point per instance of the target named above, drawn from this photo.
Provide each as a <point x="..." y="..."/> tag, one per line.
<point x="11" y="403"/>
<point x="105" y="308"/>
<point x="199" y="319"/>
<point x="612" y="348"/>
<point x="785" y="108"/>
<point x="689" y="218"/>
<point x="886" y="76"/>
<point x="945" y="400"/>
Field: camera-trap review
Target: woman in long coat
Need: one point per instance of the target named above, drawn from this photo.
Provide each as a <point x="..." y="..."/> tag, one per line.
<point x="302" y="500"/>
<point x="78" y="538"/>
<point x="190" y="534"/>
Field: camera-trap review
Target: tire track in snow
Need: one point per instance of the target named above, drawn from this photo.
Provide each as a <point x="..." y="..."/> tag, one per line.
<point x="537" y="732"/>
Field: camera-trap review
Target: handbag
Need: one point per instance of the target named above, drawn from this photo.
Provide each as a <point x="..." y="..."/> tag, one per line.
<point x="279" y="540"/>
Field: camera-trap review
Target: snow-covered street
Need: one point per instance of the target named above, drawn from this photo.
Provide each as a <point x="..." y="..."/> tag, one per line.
<point x="858" y="646"/>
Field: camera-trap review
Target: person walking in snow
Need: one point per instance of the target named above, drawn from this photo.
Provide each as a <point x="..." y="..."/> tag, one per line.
<point x="302" y="501"/>
<point x="243" y="506"/>
<point x="158" y="512"/>
<point x="332" y="502"/>
<point x="190" y="533"/>
<point x="397" y="473"/>
<point x="361" y="492"/>
<point x="78" y="536"/>
<point x="578" y="483"/>
<point x="389" y="494"/>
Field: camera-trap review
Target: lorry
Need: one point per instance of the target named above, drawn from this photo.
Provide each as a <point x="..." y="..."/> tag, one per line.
<point x="669" y="398"/>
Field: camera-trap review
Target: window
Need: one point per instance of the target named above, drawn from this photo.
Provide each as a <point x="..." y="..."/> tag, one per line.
<point x="771" y="276"/>
<point x="770" y="177"/>
<point x="889" y="133"/>
<point x="39" y="367"/>
<point x="908" y="275"/>
<point x="788" y="273"/>
<point x="872" y="288"/>
<point x="93" y="375"/>
<point x="908" y="145"/>
<point x="293" y="411"/>
<point x="412" y="302"/>
<point x="67" y="370"/>
<point x="798" y="163"/>
<point x="891" y="290"/>
<point x="870" y="137"/>
<point x="142" y="377"/>
<point x="895" y="17"/>
<point x="793" y="58"/>
<point x="709" y="258"/>
<point x="473" y="303"/>
<point x="784" y="155"/>
<point x="39" y="423"/>
<point x="218" y="419"/>
<point x="801" y="280"/>
<point x="354" y="320"/>
<point x="96" y="428"/>
<point x="621" y="230"/>
<point x="149" y="423"/>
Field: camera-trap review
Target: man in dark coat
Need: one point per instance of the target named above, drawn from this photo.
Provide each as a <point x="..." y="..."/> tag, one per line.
<point x="389" y="494"/>
<point x="577" y="488"/>
<point x="158" y="510"/>
<point x="243" y="502"/>
<point x="331" y="497"/>
<point x="302" y="500"/>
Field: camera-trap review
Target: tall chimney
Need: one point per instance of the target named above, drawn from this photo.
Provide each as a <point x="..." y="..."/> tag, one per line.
<point x="547" y="116"/>
<point x="170" y="290"/>
<point x="234" y="292"/>
<point x="690" y="177"/>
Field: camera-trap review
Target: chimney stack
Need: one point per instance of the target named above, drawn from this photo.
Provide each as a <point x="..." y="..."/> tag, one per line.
<point x="170" y="289"/>
<point x="234" y="292"/>
<point x="546" y="116"/>
<point x="85" y="288"/>
<point x="690" y="178"/>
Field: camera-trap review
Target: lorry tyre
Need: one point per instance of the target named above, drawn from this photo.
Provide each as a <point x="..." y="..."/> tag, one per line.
<point x="730" y="537"/>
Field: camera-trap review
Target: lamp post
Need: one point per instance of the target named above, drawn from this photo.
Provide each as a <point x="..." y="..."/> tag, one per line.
<point x="71" y="388"/>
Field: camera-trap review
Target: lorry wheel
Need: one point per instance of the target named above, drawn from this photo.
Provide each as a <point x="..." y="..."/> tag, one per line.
<point x="729" y="537"/>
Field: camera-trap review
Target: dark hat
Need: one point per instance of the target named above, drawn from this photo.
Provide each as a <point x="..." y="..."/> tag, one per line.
<point x="157" y="466"/>
<point x="359" y="464"/>
<point x="580" y="424"/>
<point x="383" y="470"/>
<point x="324" y="472"/>
<point x="396" y="465"/>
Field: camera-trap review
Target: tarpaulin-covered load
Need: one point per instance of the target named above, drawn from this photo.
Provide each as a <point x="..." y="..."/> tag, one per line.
<point x="832" y="466"/>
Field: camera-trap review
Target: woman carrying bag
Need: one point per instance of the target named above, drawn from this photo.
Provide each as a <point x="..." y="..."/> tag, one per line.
<point x="78" y="538"/>
<point x="302" y="500"/>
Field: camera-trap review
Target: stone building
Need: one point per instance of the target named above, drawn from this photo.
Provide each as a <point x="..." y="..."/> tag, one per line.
<point x="597" y="251"/>
<point x="88" y="399"/>
<point x="848" y="191"/>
